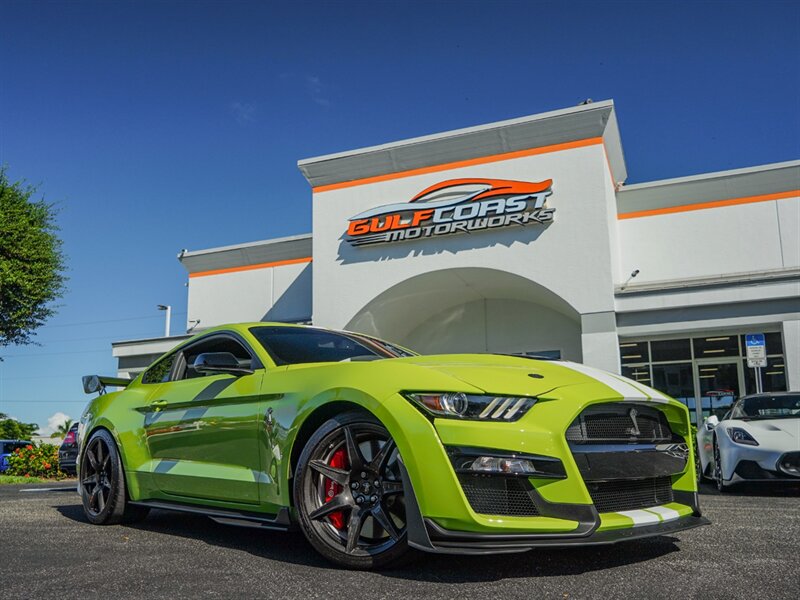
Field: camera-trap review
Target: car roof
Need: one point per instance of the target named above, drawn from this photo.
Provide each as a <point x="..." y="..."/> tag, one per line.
<point x="770" y="394"/>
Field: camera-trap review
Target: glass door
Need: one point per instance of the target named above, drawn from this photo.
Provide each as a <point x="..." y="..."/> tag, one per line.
<point x="719" y="383"/>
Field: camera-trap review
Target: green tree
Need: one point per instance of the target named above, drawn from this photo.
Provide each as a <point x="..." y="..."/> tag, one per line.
<point x="31" y="262"/>
<point x="11" y="429"/>
<point x="62" y="430"/>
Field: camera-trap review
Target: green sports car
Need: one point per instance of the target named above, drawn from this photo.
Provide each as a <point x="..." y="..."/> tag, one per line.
<point x="372" y="449"/>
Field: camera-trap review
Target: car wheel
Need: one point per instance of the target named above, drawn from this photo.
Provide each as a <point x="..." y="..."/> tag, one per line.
<point x="721" y="486"/>
<point x="349" y="493"/>
<point x="103" y="489"/>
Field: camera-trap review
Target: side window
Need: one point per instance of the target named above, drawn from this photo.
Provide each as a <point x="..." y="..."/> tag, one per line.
<point x="214" y="344"/>
<point x="160" y="371"/>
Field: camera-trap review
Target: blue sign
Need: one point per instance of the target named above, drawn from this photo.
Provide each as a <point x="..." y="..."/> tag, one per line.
<point x="754" y="339"/>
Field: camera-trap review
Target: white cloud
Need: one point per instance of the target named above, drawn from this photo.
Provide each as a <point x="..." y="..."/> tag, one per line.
<point x="243" y="112"/>
<point x="52" y="423"/>
<point x="317" y="90"/>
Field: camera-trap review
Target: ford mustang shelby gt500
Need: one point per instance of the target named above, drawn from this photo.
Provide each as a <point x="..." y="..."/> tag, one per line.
<point x="372" y="449"/>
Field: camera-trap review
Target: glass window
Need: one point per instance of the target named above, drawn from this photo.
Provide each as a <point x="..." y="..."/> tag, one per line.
<point x="786" y="406"/>
<point x="773" y="342"/>
<point x="716" y="346"/>
<point x="640" y="373"/>
<point x="634" y="352"/>
<point x="719" y="387"/>
<point x="676" y="381"/>
<point x="160" y="371"/>
<point x="669" y="350"/>
<point x="296" y="345"/>
<point x="773" y="376"/>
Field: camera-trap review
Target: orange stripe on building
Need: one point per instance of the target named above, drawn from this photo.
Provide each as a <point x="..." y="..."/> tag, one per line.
<point x="266" y="265"/>
<point x="704" y="205"/>
<point x="461" y="163"/>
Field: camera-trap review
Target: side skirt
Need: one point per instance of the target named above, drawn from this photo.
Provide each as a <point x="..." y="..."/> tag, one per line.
<point x="280" y="522"/>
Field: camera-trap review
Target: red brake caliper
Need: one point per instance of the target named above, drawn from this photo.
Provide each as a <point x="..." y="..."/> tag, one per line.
<point x="339" y="461"/>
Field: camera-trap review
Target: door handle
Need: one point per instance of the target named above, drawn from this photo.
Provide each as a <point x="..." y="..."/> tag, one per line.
<point x="157" y="405"/>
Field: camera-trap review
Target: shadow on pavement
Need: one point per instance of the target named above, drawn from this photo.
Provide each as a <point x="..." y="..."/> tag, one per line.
<point x="292" y="548"/>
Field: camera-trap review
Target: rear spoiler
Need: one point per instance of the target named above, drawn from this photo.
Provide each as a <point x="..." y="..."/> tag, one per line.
<point x="99" y="383"/>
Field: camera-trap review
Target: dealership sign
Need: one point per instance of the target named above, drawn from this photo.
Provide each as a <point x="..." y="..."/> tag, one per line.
<point x="454" y="206"/>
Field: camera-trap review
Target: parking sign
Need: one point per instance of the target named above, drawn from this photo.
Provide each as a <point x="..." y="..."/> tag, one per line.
<point x="756" y="350"/>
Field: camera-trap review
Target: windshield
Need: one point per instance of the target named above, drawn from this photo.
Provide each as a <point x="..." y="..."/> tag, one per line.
<point x="768" y="407"/>
<point x="297" y="345"/>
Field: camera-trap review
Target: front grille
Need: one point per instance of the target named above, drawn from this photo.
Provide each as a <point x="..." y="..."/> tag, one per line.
<point x="620" y="423"/>
<point x="497" y="495"/>
<point x="630" y="494"/>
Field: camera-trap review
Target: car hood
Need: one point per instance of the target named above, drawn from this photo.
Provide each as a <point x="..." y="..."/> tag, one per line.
<point x="772" y="431"/>
<point x="503" y="374"/>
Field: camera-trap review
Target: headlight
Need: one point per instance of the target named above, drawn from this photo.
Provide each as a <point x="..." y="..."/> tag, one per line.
<point x="740" y="436"/>
<point x="488" y="461"/>
<point x="471" y="406"/>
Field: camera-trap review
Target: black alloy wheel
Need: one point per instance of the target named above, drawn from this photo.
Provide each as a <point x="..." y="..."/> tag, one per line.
<point x="96" y="475"/>
<point x="349" y="493"/>
<point x="102" y="483"/>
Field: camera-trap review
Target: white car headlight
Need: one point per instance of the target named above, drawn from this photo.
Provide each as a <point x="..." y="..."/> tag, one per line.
<point x="459" y="405"/>
<point x="740" y="436"/>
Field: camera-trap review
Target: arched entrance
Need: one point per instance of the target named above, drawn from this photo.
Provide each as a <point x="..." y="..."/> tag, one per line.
<point x="473" y="310"/>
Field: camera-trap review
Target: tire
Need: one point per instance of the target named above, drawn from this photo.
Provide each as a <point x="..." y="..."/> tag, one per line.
<point x="349" y="495"/>
<point x="722" y="487"/>
<point x="103" y="490"/>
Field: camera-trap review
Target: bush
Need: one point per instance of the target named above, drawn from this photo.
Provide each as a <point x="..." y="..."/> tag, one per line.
<point x="35" y="461"/>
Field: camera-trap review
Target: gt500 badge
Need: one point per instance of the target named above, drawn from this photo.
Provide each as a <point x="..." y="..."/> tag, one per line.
<point x="454" y="206"/>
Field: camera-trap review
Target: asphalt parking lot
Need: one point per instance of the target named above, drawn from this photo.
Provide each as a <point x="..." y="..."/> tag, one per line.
<point x="48" y="550"/>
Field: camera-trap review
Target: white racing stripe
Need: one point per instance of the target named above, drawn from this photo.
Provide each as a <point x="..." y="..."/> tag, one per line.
<point x="629" y="390"/>
<point x="652" y="393"/>
<point x="640" y="517"/>
<point x="667" y="514"/>
<point x="620" y="386"/>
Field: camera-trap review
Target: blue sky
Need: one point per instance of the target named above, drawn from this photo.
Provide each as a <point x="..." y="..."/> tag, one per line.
<point x="156" y="126"/>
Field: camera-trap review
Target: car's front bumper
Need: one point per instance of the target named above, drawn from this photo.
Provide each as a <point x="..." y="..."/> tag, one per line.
<point x="550" y="509"/>
<point x="593" y="528"/>
<point x="441" y="540"/>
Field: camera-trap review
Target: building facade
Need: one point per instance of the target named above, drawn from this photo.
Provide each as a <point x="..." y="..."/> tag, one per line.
<point x="521" y="237"/>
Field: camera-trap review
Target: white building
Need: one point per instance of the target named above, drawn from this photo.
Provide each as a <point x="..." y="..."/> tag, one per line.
<point x="525" y="239"/>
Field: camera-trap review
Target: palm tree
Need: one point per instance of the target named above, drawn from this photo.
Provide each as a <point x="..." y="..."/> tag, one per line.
<point x="62" y="430"/>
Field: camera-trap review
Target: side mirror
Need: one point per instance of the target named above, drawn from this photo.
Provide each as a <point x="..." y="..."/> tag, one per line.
<point x="219" y="362"/>
<point x="711" y="422"/>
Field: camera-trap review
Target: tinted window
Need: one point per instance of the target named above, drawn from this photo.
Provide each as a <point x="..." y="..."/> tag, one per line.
<point x="214" y="344"/>
<point x="716" y="346"/>
<point x="773" y="376"/>
<point x="675" y="380"/>
<point x="768" y="407"/>
<point x="666" y="350"/>
<point x="160" y="371"/>
<point x="637" y="373"/>
<point x="296" y="345"/>
<point x="634" y="352"/>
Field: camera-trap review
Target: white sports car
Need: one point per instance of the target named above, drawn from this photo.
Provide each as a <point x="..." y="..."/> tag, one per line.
<point x="758" y="439"/>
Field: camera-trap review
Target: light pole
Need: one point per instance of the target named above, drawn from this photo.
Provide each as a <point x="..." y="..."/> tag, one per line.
<point x="168" y="309"/>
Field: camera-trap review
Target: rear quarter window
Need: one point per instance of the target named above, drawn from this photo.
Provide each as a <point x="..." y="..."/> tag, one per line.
<point x="160" y="371"/>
